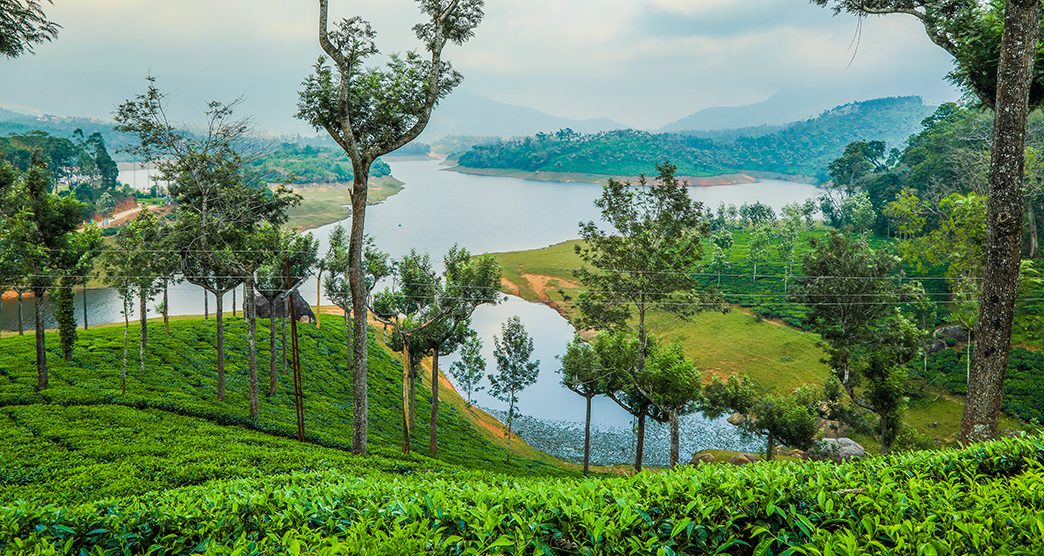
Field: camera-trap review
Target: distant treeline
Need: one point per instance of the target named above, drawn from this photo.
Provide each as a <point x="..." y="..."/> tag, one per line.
<point x="802" y="149"/>
<point x="300" y="164"/>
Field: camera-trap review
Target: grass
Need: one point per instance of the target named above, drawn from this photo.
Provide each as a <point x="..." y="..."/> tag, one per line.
<point x="757" y="338"/>
<point x="179" y="389"/>
<point x="327" y="204"/>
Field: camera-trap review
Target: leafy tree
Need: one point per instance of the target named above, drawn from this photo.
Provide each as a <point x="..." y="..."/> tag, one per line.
<point x="1034" y="200"/>
<point x="217" y="209"/>
<point x="646" y="259"/>
<point x="583" y="374"/>
<point x="790" y="227"/>
<point x="723" y="242"/>
<point x="791" y="420"/>
<point x="758" y="247"/>
<point x="23" y="25"/>
<point x="372" y="111"/>
<point x="672" y="384"/>
<point x="41" y="227"/>
<point x="994" y="46"/>
<point x="757" y="214"/>
<point x="516" y="369"/>
<point x="859" y="160"/>
<point x="854" y="296"/>
<point x="470" y="369"/>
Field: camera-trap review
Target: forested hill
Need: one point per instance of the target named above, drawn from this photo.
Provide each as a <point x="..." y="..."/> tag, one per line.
<point x="801" y="149"/>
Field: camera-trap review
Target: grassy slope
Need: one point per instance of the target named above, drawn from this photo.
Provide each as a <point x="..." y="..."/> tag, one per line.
<point x="179" y="389"/>
<point x="776" y="355"/>
<point x="322" y="205"/>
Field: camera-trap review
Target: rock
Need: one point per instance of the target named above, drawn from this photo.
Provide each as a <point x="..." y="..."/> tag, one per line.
<point x="737" y="419"/>
<point x="937" y="345"/>
<point x="301" y="308"/>
<point x="703" y="458"/>
<point x="953" y="333"/>
<point x="833" y="429"/>
<point x="740" y="459"/>
<point x="837" y="449"/>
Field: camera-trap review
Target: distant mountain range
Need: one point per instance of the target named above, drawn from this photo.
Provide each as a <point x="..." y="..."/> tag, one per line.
<point x="784" y="107"/>
<point x="802" y="148"/>
<point x="463" y="113"/>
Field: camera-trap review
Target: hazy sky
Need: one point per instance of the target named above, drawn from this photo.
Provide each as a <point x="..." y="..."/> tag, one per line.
<point x="641" y="62"/>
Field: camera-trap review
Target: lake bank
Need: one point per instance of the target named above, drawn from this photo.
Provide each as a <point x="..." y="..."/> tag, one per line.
<point x="579" y="177"/>
<point x="324" y="204"/>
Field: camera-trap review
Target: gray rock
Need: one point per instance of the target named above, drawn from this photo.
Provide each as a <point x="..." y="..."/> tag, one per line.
<point x="955" y="333"/>
<point x="302" y="310"/>
<point x="737" y="419"/>
<point x="838" y="449"/>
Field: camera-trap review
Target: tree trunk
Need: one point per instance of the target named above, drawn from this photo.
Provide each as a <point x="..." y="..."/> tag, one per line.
<point x="233" y="302"/>
<point x="282" y="342"/>
<point x="251" y="317"/>
<point x="273" y="376"/>
<point x="166" y="308"/>
<point x="1005" y="213"/>
<point x="84" y="292"/>
<point x="220" y="318"/>
<point x="295" y="362"/>
<point x="587" y="438"/>
<point x="357" y="286"/>
<point x="885" y="442"/>
<point x="144" y="336"/>
<point x="206" y="306"/>
<point x="413" y="393"/>
<point x="510" y="424"/>
<point x="41" y="347"/>
<point x="318" y="295"/>
<point x="406" y="425"/>
<point x="21" y="320"/>
<point x="675" y="439"/>
<point x="640" y="448"/>
<point x="433" y="442"/>
<point x="126" y="345"/>
<point x="770" y="447"/>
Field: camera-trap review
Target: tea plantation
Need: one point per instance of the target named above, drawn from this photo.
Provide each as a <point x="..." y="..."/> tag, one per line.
<point x="166" y="469"/>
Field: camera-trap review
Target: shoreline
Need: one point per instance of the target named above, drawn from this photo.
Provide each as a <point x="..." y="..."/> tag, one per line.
<point x="738" y="178"/>
<point x="327" y="203"/>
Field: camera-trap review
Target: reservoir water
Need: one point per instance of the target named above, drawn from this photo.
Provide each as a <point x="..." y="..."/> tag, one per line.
<point x="439" y="208"/>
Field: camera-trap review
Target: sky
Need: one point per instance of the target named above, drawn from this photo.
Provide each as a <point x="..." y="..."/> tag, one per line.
<point x="641" y="62"/>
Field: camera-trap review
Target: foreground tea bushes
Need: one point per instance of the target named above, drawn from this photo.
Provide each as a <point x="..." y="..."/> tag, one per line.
<point x="987" y="499"/>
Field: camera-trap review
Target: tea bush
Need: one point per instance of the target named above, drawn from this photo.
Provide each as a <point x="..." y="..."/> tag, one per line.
<point x="986" y="499"/>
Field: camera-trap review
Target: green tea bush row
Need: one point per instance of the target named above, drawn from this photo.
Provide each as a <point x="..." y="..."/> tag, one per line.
<point x="987" y="499"/>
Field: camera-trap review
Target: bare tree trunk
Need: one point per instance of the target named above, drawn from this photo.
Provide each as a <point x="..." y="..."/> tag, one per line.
<point x="21" y="320"/>
<point x="770" y="447"/>
<point x="360" y="420"/>
<point x="295" y="362"/>
<point x="510" y="424"/>
<point x="406" y="425"/>
<point x="675" y="439"/>
<point x="1005" y="213"/>
<point x="220" y="318"/>
<point x="640" y="448"/>
<point x="413" y="393"/>
<point x="41" y="347"/>
<point x="251" y="317"/>
<point x="885" y="443"/>
<point x="318" y="295"/>
<point x="206" y="305"/>
<point x="166" y="307"/>
<point x="1034" y="241"/>
<point x="233" y="302"/>
<point x="282" y="342"/>
<point x="273" y="376"/>
<point x="144" y="336"/>
<point x="587" y="438"/>
<point x="83" y="291"/>
<point x="433" y="442"/>
<point x="126" y="345"/>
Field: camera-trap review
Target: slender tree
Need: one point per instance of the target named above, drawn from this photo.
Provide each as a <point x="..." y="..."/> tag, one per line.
<point x="516" y="369"/>
<point x="470" y="369"/>
<point x="672" y="384"/>
<point x="647" y="258"/>
<point x="582" y="373"/>
<point x="372" y="111"/>
<point x="998" y="64"/>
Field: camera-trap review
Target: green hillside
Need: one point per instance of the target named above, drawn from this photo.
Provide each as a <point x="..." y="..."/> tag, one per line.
<point x="71" y="438"/>
<point x="988" y="499"/>
<point x="799" y="149"/>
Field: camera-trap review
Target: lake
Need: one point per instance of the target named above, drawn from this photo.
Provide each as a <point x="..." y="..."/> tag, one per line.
<point x="439" y="208"/>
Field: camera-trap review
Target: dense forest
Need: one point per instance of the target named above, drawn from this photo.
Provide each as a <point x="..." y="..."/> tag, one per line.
<point x="308" y="164"/>
<point x="799" y="149"/>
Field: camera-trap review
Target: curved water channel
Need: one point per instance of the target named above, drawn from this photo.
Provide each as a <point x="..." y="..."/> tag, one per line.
<point x="440" y="208"/>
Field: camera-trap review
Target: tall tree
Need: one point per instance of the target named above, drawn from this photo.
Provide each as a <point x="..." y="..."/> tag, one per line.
<point x="582" y="373"/>
<point x="672" y="384"/>
<point x="516" y="369"/>
<point x="372" y="111"/>
<point x="42" y="228"/>
<point x="23" y="25"/>
<point x="217" y="208"/>
<point x="647" y="258"/>
<point x="998" y="64"/>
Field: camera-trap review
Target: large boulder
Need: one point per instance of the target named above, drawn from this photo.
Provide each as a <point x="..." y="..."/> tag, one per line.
<point x="302" y="310"/>
<point x="703" y="457"/>
<point x="837" y="449"/>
